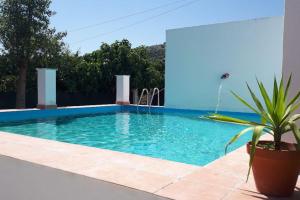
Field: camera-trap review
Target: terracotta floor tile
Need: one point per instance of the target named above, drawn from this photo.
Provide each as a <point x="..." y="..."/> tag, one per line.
<point x="192" y="190"/>
<point x="211" y="177"/>
<point x="231" y="168"/>
<point x="129" y="177"/>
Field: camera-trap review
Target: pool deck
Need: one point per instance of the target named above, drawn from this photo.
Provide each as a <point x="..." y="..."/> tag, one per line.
<point x="221" y="179"/>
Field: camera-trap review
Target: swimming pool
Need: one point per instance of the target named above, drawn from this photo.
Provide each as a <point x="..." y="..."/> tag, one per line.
<point x="167" y="134"/>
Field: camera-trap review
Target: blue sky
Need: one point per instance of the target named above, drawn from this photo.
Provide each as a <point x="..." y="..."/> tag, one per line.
<point x="149" y="27"/>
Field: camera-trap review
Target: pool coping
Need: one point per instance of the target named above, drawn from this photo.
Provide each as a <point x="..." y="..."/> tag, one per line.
<point x="223" y="178"/>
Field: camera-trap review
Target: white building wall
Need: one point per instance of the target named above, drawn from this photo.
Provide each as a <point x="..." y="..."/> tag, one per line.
<point x="196" y="57"/>
<point x="291" y="47"/>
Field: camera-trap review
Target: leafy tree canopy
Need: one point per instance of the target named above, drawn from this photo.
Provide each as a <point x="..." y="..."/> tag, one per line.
<point x="27" y="38"/>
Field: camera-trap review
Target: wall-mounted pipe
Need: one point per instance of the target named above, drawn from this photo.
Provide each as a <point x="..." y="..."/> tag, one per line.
<point x="225" y="76"/>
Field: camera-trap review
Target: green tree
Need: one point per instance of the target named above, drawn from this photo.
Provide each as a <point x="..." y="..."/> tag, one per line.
<point x="27" y="39"/>
<point x="67" y="74"/>
<point x="120" y="58"/>
<point x="7" y="75"/>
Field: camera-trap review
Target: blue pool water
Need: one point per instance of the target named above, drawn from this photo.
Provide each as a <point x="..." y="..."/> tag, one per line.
<point x="178" y="137"/>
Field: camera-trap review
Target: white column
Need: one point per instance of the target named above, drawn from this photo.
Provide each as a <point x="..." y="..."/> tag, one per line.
<point x="291" y="44"/>
<point x="46" y="88"/>
<point x="123" y="89"/>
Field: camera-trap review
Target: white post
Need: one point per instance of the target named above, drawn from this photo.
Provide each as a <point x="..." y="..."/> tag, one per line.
<point x="123" y="89"/>
<point x="46" y="88"/>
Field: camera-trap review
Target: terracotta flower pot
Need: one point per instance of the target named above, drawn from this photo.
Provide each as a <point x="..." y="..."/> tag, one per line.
<point x="276" y="172"/>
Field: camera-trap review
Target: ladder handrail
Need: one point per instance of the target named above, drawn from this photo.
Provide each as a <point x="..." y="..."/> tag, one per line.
<point x="153" y="94"/>
<point x="147" y="93"/>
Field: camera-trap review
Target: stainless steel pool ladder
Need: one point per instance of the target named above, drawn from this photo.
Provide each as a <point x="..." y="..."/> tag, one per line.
<point x="145" y="90"/>
<point x="142" y="94"/>
<point x="155" y="92"/>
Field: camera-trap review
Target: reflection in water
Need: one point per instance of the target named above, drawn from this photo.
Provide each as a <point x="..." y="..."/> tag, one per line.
<point x="48" y="128"/>
<point x="122" y="123"/>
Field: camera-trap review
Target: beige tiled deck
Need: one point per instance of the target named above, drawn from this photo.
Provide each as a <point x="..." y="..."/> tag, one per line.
<point x="221" y="179"/>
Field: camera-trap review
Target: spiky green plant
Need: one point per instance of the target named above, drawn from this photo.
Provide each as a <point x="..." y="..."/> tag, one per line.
<point x="276" y="112"/>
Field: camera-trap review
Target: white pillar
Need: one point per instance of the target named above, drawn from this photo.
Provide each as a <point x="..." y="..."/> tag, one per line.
<point x="123" y="89"/>
<point x="46" y="88"/>
<point x="291" y="44"/>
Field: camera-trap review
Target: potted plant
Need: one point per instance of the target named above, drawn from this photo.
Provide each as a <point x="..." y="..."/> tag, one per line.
<point x="275" y="164"/>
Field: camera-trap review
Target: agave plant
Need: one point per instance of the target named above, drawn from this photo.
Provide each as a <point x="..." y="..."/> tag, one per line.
<point x="277" y="116"/>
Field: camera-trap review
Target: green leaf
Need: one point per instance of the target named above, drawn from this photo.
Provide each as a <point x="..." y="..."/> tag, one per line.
<point x="294" y="118"/>
<point x="269" y="132"/>
<point x="222" y="118"/>
<point x="237" y="136"/>
<point x="245" y="102"/>
<point x="270" y="119"/>
<point x="256" y="100"/>
<point x="265" y="97"/>
<point x="280" y="103"/>
<point x="295" y="107"/>
<point x="258" y="104"/>
<point x="288" y="86"/>
<point x="257" y="132"/>
<point x="296" y="133"/>
<point x="275" y="91"/>
<point x="286" y="114"/>
<point x="263" y="120"/>
<point x="293" y="100"/>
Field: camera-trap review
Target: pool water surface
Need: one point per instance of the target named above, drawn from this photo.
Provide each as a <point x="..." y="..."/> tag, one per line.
<point x="182" y="138"/>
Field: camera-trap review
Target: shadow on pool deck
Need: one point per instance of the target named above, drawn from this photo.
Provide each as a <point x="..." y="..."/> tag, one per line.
<point x="253" y="194"/>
